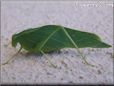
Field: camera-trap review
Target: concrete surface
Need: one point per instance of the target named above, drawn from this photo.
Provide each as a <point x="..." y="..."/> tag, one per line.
<point x="86" y="16"/>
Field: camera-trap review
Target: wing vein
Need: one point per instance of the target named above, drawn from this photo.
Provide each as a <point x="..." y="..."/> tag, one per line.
<point x="46" y="40"/>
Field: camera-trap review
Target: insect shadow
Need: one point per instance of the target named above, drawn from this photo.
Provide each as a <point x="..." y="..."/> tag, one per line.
<point x="27" y="54"/>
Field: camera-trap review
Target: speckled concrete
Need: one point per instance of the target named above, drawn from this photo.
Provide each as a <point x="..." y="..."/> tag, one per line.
<point x="86" y="16"/>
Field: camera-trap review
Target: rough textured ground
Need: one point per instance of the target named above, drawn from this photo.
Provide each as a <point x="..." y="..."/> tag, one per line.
<point x="86" y="16"/>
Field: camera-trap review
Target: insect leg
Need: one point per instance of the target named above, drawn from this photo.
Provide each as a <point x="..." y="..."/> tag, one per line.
<point x="48" y="59"/>
<point x="11" y="57"/>
<point x="75" y="45"/>
<point x="86" y="62"/>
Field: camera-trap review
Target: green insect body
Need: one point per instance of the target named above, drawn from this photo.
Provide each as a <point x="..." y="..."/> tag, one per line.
<point x="50" y="38"/>
<point x="54" y="37"/>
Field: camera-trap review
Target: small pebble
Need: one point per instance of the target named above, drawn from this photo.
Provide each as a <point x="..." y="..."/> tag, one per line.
<point x="80" y="77"/>
<point x="99" y="72"/>
<point x="72" y="56"/>
<point x="48" y="73"/>
<point x="70" y="69"/>
<point x="60" y="67"/>
<point x="61" y="78"/>
<point x="70" y="82"/>
<point x="13" y="78"/>
<point x="65" y="52"/>
<point x="64" y="63"/>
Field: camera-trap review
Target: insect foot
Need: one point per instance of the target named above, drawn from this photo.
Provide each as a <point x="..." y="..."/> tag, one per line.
<point x="87" y="63"/>
<point x="52" y="65"/>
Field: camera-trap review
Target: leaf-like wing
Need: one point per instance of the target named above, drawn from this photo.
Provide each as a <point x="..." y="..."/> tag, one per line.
<point x="52" y="37"/>
<point x="86" y="39"/>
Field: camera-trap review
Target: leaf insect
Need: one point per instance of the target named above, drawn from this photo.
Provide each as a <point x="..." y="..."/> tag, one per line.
<point x="50" y="38"/>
